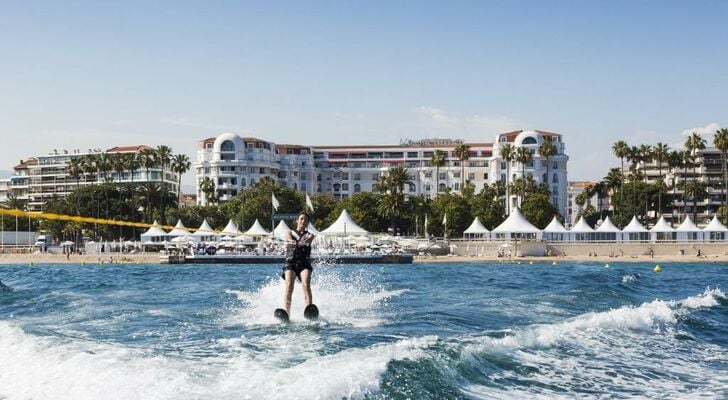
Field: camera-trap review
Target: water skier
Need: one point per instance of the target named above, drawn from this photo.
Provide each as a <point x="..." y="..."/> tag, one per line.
<point x="298" y="265"/>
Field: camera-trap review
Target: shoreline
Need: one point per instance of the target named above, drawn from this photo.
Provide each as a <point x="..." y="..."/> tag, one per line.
<point x="153" y="258"/>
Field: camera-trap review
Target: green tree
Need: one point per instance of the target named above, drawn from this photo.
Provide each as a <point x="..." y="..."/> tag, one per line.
<point x="207" y="187"/>
<point x="661" y="154"/>
<point x="163" y="155"/>
<point x="547" y="149"/>
<point x="694" y="144"/>
<point x="621" y="150"/>
<point x="180" y="165"/>
<point x="462" y="152"/>
<point x="507" y="153"/>
<point x="458" y="214"/>
<point x="538" y="210"/>
<point x="487" y="206"/>
<point x="720" y="141"/>
<point x="437" y="161"/>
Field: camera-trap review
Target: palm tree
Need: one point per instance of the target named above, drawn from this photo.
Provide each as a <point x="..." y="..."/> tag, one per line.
<point x="507" y="153"/>
<point x="397" y="178"/>
<point x="697" y="190"/>
<point x="147" y="159"/>
<point x="180" y="165"/>
<point x="462" y="152"/>
<point x="75" y="170"/>
<point x="437" y="160"/>
<point x="661" y="153"/>
<point x="675" y="162"/>
<point x="164" y="156"/>
<point x="207" y="187"/>
<point x="132" y="164"/>
<point x="720" y="141"/>
<point x="694" y="144"/>
<point x="621" y="151"/>
<point x="612" y="182"/>
<point x="547" y="149"/>
<point x="523" y="156"/>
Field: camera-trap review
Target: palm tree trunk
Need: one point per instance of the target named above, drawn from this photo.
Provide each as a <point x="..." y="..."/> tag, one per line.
<point x="725" y="181"/>
<point x="659" y="192"/>
<point x="179" y="194"/>
<point x="547" y="181"/>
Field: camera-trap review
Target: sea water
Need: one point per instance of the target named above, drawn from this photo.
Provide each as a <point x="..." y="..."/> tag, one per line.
<point x="421" y="331"/>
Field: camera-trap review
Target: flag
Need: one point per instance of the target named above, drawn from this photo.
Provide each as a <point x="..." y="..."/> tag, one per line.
<point x="274" y="201"/>
<point x="444" y="220"/>
<point x="309" y="204"/>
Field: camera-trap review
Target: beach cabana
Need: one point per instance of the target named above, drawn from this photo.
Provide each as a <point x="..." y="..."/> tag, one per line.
<point x="344" y="226"/>
<point x="475" y="230"/>
<point x="581" y="231"/>
<point x="635" y="231"/>
<point x="155" y="235"/>
<point x="230" y="229"/>
<point x="607" y="231"/>
<point x="204" y="233"/>
<point x="256" y="230"/>
<point x="688" y="230"/>
<point x="662" y="231"/>
<point x="554" y="231"/>
<point x="715" y="230"/>
<point x="516" y="226"/>
<point x="281" y="231"/>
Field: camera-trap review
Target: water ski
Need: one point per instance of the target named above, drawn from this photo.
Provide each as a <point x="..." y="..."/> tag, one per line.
<point x="281" y="314"/>
<point x="311" y="311"/>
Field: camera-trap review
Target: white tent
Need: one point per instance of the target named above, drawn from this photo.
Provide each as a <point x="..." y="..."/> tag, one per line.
<point x="635" y="231"/>
<point x="256" y="230"/>
<point x="715" y="229"/>
<point x="607" y="231"/>
<point x="204" y="232"/>
<point x="344" y="226"/>
<point x="555" y="231"/>
<point x="281" y="231"/>
<point x="518" y="224"/>
<point x="581" y="230"/>
<point x="179" y="230"/>
<point x="312" y="229"/>
<point x="230" y="229"/>
<point x="155" y="234"/>
<point x="662" y="230"/>
<point x="476" y="229"/>
<point x="688" y="230"/>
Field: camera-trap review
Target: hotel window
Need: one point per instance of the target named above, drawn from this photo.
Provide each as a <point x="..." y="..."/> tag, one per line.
<point x="337" y="187"/>
<point x="556" y="165"/>
<point x="345" y="176"/>
<point x="412" y="188"/>
<point x="344" y="186"/>
<point x="411" y="154"/>
<point x="375" y="176"/>
<point x="456" y="186"/>
<point x="227" y="146"/>
<point x="208" y="145"/>
<point x="357" y="176"/>
<point x="556" y="178"/>
<point x="485" y="176"/>
<point x="428" y="174"/>
<point x="357" y="188"/>
<point x="503" y="165"/>
<point x="443" y="175"/>
<point x="456" y="174"/>
<point x="428" y="187"/>
<point x="471" y="176"/>
<point x="503" y="178"/>
<point x="303" y="186"/>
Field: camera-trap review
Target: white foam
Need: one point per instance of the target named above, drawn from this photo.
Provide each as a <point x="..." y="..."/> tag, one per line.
<point x="708" y="299"/>
<point x="341" y="301"/>
<point x="46" y="367"/>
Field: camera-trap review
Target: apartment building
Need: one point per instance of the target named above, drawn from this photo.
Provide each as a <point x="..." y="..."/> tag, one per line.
<point x="234" y="163"/>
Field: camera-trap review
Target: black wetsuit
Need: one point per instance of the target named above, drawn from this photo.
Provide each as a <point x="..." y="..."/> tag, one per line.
<point x="298" y="254"/>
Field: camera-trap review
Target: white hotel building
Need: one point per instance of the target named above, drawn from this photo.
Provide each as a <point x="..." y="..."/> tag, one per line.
<point x="234" y="163"/>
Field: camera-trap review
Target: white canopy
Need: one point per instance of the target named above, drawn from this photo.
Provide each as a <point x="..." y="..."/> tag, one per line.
<point x="516" y="223"/>
<point x="662" y="226"/>
<point x="476" y="227"/>
<point x="687" y="226"/>
<point x="312" y="229"/>
<point x="281" y="231"/>
<point x="204" y="230"/>
<point x="231" y="229"/>
<point x="608" y="226"/>
<point x="179" y="230"/>
<point x="343" y="226"/>
<point x="634" y="226"/>
<point x="715" y="226"/>
<point x="555" y="227"/>
<point x="581" y="227"/>
<point x="154" y="231"/>
<point x="256" y="230"/>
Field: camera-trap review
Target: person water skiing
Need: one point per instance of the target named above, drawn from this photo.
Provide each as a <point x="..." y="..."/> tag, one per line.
<point x="298" y="265"/>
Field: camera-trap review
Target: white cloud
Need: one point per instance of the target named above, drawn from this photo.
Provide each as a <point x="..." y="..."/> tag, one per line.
<point x="436" y="121"/>
<point x="706" y="130"/>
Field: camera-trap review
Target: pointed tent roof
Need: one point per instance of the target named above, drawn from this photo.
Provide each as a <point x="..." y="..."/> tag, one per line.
<point x="281" y="230"/>
<point x="231" y="229"/>
<point x="715" y="226"/>
<point x="179" y="230"/>
<point x="634" y="226"/>
<point x="204" y="230"/>
<point x="581" y="226"/>
<point x="688" y="226"/>
<point x="662" y="226"/>
<point x="256" y="230"/>
<point x="155" y="230"/>
<point x="312" y="229"/>
<point x="476" y="227"/>
<point x="555" y="227"/>
<point x="344" y="225"/>
<point x="607" y="226"/>
<point x="516" y="223"/>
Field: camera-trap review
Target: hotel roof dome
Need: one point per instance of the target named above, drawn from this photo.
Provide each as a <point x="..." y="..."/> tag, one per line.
<point x="228" y="136"/>
<point x="528" y="138"/>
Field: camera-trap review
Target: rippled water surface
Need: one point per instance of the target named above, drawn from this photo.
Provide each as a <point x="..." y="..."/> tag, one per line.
<point x="421" y="331"/>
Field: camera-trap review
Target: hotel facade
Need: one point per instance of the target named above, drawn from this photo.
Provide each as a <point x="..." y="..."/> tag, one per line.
<point x="39" y="179"/>
<point x="234" y="163"/>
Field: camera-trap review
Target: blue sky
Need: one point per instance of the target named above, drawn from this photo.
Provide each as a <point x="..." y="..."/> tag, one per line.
<point x="88" y="74"/>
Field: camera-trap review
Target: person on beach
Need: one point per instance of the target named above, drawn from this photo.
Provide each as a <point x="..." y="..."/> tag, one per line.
<point x="298" y="261"/>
